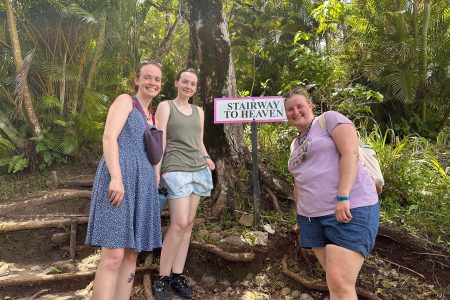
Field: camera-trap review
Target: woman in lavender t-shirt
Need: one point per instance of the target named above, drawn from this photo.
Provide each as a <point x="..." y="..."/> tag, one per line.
<point x="336" y="199"/>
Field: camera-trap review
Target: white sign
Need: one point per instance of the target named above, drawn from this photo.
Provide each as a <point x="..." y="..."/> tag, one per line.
<point x="249" y="109"/>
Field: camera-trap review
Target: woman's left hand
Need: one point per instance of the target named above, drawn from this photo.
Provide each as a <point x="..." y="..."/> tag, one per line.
<point x="158" y="178"/>
<point x="343" y="214"/>
<point x="211" y="164"/>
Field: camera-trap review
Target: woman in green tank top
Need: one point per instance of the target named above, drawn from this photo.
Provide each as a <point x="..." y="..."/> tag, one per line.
<point x="185" y="171"/>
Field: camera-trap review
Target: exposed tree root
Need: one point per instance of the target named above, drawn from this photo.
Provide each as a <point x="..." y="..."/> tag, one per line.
<point x="37" y="224"/>
<point x="77" y="181"/>
<point x="276" y="183"/>
<point x="147" y="281"/>
<point x="44" y="198"/>
<point x="309" y="284"/>
<point x="222" y="188"/>
<point x="37" y="279"/>
<point x="60" y="238"/>
<point x="417" y="244"/>
<point x="39" y="294"/>
<point x="321" y="286"/>
<point x="237" y="257"/>
<point x="273" y="198"/>
<point x="403" y="267"/>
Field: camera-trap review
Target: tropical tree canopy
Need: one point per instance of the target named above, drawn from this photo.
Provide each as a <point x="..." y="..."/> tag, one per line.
<point x="63" y="62"/>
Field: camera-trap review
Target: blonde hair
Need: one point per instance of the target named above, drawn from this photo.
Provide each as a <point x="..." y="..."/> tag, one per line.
<point x="298" y="90"/>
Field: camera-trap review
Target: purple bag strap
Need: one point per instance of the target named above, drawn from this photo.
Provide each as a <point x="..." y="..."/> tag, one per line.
<point x="138" y="106"/>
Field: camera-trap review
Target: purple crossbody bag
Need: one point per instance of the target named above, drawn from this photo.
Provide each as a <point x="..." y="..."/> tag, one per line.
<point x="152" y="136"/>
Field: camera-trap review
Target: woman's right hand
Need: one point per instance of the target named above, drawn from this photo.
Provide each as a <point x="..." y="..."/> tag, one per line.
<point x="116" y="191"/>
<point x="343" y="214"/>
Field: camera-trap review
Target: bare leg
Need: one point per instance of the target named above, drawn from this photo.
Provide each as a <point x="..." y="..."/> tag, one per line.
<point x="126" y="275"/>
<point x="180" y="259"/>
<point x="321" y="256"/>
<point x="178" y="228"/>
<point x="107" y="273"/>
<point x="342" y="269"/>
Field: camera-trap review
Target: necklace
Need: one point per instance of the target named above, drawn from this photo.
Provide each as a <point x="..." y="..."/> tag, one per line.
<point x="300" y="138"/>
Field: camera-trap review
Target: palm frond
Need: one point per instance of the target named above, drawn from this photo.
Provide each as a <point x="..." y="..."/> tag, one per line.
<point x="6" y="145"/>
<point x="403" y="82"/>
<point x="74" y="10"/>
<point x="49" y="101"/>
<point x="446" y="14"/>
<point x="57" y="73"/>
<point x="69" y="144"/>
<point x="21" y="78"/>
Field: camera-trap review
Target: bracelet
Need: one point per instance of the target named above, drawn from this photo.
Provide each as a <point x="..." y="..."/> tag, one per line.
<point x="206" y="157"/>
<point x="343" y="198"/>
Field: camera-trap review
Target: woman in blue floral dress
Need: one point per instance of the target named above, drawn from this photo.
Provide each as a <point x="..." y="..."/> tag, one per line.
<point x="125" y="216"/>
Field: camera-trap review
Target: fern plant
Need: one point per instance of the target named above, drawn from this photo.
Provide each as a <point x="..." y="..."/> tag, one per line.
<point x="9" y="158"/>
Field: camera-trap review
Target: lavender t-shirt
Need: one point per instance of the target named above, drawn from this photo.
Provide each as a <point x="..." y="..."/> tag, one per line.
<point x="314" y="163"/>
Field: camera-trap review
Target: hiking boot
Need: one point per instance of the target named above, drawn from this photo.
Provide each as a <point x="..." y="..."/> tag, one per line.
<point x="180" y="285"/>
<point x="161" y="288"/>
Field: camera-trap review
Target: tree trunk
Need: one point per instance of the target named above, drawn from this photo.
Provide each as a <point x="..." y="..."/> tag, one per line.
<point x="163" y="47"/>
<point x="11" y="132"/>
<point x="27" y="103"/>
<point x="415" y="16"/>
<point x="98" y="49"/>
<point x="62" y="86"/>
<point x="424" y="58"/>
<point x="211" y="49"/>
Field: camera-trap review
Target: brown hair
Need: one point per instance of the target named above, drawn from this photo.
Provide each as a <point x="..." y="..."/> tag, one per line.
<point x="142" y="64"/>
<point x="298" y="90"/>
<point x="189" y="70"/>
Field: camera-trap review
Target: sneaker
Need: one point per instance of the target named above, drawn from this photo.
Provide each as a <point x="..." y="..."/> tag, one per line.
<point x="161" y="288"/>
<point x="180" y="285"/>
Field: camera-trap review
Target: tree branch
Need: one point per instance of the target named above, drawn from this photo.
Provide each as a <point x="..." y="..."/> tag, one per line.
<point x="163" y="48"/>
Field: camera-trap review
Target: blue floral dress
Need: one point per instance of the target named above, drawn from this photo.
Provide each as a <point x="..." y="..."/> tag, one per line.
<point x="136" y="223"/>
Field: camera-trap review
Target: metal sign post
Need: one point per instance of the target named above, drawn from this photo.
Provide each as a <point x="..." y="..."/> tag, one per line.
<point x="251" y="110"/>
<point x="255" y="173"/>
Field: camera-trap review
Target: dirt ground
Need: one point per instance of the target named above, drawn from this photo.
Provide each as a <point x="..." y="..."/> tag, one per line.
<point x="392" y="271"/>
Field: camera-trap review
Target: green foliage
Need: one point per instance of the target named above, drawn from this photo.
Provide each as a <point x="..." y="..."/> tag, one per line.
<point x="14" y="163"/>
<point x="249" y="237"/>
<point x="6" y="145"/>
<point x="416" y="192"/>
<point x="443" y="139"/>
<point x="394" y="48"/>
<point x="70" y="101"/>
<point x="329" y="14"/>
<point x="280" y="223"/>
<point x="9" y="158"/>
<point x="49" y="148"/>
<point x="273" y="145"/>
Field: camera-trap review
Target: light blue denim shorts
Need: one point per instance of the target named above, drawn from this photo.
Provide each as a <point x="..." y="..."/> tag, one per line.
<point x="358" y="235"/>
<point x="180" y="184"/>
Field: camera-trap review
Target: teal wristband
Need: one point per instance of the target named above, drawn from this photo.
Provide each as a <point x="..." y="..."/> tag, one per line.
<point x="343" y="198"/>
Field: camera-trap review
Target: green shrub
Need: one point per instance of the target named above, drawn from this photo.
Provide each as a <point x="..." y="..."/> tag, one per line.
<point x="416" y="194"/>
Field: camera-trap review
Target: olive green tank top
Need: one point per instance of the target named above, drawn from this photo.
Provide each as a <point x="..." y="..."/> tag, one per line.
<point x="183" y="137"/>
